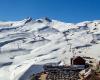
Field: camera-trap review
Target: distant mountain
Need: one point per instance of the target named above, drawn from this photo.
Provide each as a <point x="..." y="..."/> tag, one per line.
<point x="29" y="42"/>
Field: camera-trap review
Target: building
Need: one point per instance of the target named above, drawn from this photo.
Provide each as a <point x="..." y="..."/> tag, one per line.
<point x="77" y="61"/>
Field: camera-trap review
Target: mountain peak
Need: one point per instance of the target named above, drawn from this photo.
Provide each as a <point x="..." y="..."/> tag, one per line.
<point x="47" y="19"/>
<point x="28" y="19"/>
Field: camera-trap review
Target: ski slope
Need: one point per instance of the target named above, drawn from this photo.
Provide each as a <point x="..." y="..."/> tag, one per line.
<point x="27" y="43"/>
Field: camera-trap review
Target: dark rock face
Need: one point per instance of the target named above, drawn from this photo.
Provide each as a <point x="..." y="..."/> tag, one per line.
<point x="28" y="20"/>
<point x="39" y="21"/>
<point x="47" y="19"/>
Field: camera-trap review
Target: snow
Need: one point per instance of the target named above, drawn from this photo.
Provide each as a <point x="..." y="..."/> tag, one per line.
<point x="26" y="45"/>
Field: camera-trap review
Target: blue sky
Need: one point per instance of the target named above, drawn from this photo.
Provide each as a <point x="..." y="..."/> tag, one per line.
<point x="63" y="10"/>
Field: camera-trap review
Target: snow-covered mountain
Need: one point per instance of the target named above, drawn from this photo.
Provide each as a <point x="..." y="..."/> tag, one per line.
<point x="27" y="43"/>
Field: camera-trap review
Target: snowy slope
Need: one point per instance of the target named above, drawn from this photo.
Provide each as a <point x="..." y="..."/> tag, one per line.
<point x="28" y="43"/>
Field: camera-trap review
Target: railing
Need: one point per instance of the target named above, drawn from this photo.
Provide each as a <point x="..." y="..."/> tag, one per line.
<point x="62" y="73"/>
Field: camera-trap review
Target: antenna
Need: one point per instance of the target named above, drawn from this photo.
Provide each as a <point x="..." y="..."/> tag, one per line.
<point x="73" y="51"/>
